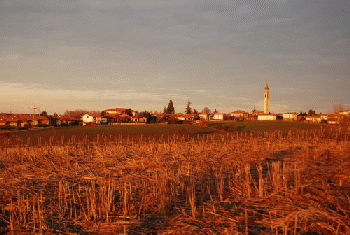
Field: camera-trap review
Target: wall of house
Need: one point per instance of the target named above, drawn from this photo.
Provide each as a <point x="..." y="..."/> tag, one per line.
<point x="289" y="116"/>
<point x="266" y="117"/>
<point x="88" y="118"/>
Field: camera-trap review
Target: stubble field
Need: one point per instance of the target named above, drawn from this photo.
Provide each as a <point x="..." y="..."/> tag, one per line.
<point x="181" y="180"/>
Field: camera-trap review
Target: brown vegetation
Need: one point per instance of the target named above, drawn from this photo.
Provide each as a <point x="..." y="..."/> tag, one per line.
<point x="272" y="182"/>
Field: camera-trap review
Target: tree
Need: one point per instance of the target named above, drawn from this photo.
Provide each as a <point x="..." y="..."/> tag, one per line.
<point x="311" y="112"/>
<point x="215" y="111"/>
<point x="43" y="113"/>
<point x="338" y="108"/>
<point x="170" y="109"/>
<point x="188" y="109"/>
<point x="128" y="112"/>
<point x="206" y="110"/>
<point x="145" y="114"/>
<point x="195" y="111"/>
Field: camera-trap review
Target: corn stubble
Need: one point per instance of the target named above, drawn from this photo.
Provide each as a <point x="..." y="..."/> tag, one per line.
<point x="274" y="182"/>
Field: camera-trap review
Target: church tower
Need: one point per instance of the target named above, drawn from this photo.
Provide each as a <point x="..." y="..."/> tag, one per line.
<point x="266" y="99"/>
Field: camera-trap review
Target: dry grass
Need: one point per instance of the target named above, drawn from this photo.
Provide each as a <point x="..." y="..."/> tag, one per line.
<point x="273" y="182"/>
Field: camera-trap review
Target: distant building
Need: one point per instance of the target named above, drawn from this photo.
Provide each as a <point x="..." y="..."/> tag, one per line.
<point x="268" y="117"/>
<point x="255" y="113"/>
<point x="290" y="116"/>
<point x="115" y="111"/>
<point x="344" y="112"/>
<point x="86" y="118"/>
<point x="314" y="118"/>
<point x="266" y="99"/>
<point x="204" y="116"/>
<point x="239" y="115"/>
<point x="219" y="116"/>
<point x="186" y="117"/>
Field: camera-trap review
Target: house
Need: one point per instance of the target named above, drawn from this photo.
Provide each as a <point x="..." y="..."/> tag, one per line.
<point x="86" y="118"/>
<point x="43" y="120"/>
<point x="239" y="115"/>
<point x="314" y="118"/>
<point x="335" y="118"/>
<point x="118" y="118"/>
<point x="324" y="117"/>
<point x="135" y="119"/>
<point x="23" y="120"/>
<point x="344" y="112"/>
<point x="290" y="116"/>
<point x="98" y="119"/>
<point x="101" y="120"/>
<point x="219" y="116"/>
<point x="269" y="117"/>
<point x="134" y="113"/>
<point x="204" y="116"/>
<point x="186" y="117"/>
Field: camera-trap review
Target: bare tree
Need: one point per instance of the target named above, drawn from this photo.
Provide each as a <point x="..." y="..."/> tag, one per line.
<point x="338" y="108"/>
<point x="206" y="110"/>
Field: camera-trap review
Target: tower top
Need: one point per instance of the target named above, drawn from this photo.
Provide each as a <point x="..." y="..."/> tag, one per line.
<point x="267" y="86"/>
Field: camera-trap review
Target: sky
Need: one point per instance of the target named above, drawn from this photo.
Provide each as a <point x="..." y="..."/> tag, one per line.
<point x="81" y="54"/>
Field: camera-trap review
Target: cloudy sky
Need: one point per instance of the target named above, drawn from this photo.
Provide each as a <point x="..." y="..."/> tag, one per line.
<point x="139" y="54"/>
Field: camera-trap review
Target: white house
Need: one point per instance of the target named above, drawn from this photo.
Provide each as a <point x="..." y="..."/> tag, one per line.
<point x="219" y="116"/>
<point x="267" y="117"/>
<point x="86" y="118"/>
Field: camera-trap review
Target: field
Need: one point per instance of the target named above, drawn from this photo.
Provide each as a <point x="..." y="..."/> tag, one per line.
<point x="176" y="179"/>
<point x="258" y="126"/>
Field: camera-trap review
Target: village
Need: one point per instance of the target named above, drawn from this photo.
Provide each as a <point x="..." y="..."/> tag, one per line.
<point x="123" y="116"/>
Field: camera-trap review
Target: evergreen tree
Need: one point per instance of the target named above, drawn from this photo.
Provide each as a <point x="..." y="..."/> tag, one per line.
<point x="188" y="108"/>
<point x="170" y="109"/>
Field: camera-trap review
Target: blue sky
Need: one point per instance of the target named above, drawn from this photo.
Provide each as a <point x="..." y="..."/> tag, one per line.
<point x="95" y="55"/>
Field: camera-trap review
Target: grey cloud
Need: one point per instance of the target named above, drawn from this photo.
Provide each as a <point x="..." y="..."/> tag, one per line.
<point x="206" y="45"/>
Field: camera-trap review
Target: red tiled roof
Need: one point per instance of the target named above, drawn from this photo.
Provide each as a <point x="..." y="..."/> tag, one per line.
<point x="240" y="111"/>
<point x="116" y="109"/>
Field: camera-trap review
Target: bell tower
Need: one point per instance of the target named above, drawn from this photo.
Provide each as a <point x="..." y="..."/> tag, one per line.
<point x="266" y="99"/>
